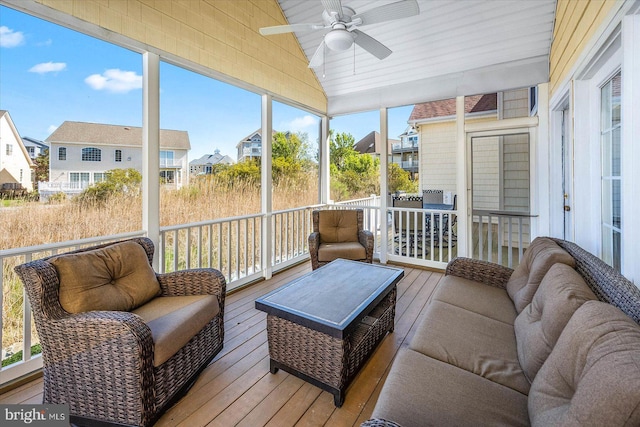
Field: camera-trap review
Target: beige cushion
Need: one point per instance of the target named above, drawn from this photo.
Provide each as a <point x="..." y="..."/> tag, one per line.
<point x="327" y="252"/>
<point x="420" y="391"/>
<point x="538" y="327"/>
<point x="175" y="320"/>
<point x="470" y="341"/>
<point x="116" y="277"/>
<point x="537" y="260"/>
<point x="337" y="226"/>
<point x="592" y="376"/>
<point x="490" y="301"/>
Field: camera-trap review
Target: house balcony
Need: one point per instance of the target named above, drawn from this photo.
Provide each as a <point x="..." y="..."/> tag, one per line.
<point x="404" y="148"/>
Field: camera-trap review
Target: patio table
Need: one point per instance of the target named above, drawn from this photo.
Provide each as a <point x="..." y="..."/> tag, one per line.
<point x="323" y="326"/>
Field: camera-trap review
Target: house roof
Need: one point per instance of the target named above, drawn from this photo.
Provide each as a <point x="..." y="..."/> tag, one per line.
<point x="28" y="141"/>
<point x="447" y="107"/>
<point x="371" y="143"/>
<point x="17" y="137"/>
<point x="103" y="134"/>
<point x="258" y="132"/>
<point x="212" y="159"/>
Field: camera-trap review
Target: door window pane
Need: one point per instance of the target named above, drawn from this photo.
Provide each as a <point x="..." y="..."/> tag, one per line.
<point x="611" y="150"/>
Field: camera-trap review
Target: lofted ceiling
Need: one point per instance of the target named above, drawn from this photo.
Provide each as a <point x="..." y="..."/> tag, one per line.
<point x="453" y="47"/>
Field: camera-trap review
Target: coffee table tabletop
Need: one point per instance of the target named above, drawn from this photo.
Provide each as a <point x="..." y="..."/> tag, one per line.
<point x="333" y="298"/>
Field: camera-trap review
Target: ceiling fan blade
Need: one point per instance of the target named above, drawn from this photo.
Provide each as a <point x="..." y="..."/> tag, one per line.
<point x="281" y="29"/>
<point x="389" y="12"/>
<point x="333" y="7"/>
<point x="371" y="45"/>
<point x="318" y="58"/>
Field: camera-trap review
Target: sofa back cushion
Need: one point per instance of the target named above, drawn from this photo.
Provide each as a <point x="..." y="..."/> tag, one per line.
<point x="337" y="226"/>
<point x="115" y="277"/>
<point x="537" y="260"/>
<point x="592" y="376"/>
<point x="538" y="327"/>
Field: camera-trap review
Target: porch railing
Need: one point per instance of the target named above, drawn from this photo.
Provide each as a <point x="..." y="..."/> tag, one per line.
<point x="234" y="246"/>
<point x="500" y="236"/>
<point x="17" y="316"/>
<point x="426" y="237"/>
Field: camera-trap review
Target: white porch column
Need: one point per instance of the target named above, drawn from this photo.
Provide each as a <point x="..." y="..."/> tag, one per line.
<point x="151" y="149"/>
<point x="630" y="146"/>
<point x="325" y="179"/>
<point x="541" y="192"/>
<point x="384" y="184"/>
<point x="267" y="186"/>
<point x="462" y="183"/>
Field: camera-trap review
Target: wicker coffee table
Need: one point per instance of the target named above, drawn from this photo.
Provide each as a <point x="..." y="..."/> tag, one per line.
<point x="323" y="326"/>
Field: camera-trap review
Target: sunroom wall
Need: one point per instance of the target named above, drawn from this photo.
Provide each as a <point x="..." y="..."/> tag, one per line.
<point x="576" y="24"/>
<point x="220" y="35"/>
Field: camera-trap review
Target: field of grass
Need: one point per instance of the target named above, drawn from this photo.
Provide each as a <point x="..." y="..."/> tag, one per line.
<point x="34" y="223"/>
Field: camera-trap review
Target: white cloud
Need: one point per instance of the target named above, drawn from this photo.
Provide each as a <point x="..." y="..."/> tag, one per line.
<point x="51" y="129"/>
<point x="48" y="67"/>
<point x="300" y="124"/>
<point x="10" y="38"/>
<point x="115" y="80"/>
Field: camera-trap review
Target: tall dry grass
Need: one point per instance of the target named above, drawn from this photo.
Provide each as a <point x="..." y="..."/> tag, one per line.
<point x="34" y="223"/>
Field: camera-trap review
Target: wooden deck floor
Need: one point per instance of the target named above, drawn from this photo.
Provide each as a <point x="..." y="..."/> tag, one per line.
<point x="237" y="388"/>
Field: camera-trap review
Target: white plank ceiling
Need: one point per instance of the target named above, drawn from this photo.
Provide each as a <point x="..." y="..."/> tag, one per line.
<point x="453" y="47"/>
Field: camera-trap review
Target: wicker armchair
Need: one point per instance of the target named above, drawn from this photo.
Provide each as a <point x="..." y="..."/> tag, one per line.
<point x="108" y="365"/>
<point x="339" y="234"/>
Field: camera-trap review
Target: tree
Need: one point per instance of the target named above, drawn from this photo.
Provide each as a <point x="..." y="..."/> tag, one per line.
<point x="117" y="182"/>
<point x="400" y="180"/>
<point x="291" y="155"/>
<point x="42" y="166"/>
<point x="341" y="147"/>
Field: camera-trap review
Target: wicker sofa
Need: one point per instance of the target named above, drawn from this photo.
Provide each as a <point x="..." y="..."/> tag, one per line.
<point x="554" y="342"/>
<point x="120" y="343"/>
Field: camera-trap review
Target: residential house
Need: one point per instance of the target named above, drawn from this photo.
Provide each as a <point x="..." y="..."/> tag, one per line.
<point x="16" y="166"/>
<point x="432" y="131"/>
<point x="205" y="164"/>
<point x="81" y="153"/>
<point x="371" y="143"/>
<point x="34" y="147"/>
<point x="250" y="147"/>
<point x="406" y="152"/>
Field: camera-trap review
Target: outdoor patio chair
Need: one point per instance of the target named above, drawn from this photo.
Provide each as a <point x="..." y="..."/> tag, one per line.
<point x="339" y="234"/>
<point x="121" y="343"/>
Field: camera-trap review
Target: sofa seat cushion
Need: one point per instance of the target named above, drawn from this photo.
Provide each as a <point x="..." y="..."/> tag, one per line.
<point x="175" y="320"/>
<point x="337" y="226"/>
<point x="471" y="341"/>
<point x="328" y="252"/>
<point x="539" y="325"/>
<point x="592" y="376"/>
<point x="115" y="277"/>
<point x="421" y="391"/>
<point x="489" y="301"/>
<point x="537" y="260"/>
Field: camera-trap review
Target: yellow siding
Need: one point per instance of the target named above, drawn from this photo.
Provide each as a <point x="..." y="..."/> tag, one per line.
<point x="576" y="23"/>
<point x="221" y="35"/>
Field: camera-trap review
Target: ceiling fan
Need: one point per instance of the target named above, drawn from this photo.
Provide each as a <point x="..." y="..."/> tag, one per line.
<point x="342" y="21"/>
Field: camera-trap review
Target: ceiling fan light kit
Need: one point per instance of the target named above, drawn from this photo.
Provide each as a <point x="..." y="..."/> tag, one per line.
<point x="342" y="23"/>
<point x="338" y="40"/>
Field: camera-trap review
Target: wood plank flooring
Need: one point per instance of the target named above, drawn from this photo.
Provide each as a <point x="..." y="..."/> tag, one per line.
<point x="236" y="389"/>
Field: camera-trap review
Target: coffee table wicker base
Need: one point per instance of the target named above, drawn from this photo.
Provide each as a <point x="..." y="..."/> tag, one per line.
<point x="328" y="362"/>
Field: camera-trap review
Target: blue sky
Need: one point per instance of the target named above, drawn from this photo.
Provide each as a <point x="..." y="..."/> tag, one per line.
<point x="49" y="74"/>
